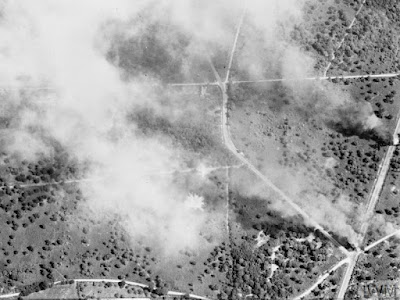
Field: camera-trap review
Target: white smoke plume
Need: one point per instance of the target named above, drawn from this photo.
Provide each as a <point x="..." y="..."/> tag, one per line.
<point x="66" y="45"/>
<point x="340" y="215"/>
<point x="61" y="46"/>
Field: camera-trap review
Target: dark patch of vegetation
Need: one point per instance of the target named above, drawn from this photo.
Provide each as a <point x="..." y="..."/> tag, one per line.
<point x="34" y="287"/>
<point x="157" y="50"/>
<point x="187" y="134"/>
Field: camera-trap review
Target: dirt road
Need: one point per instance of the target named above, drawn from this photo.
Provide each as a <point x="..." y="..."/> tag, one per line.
<point x="385" y="75"/>
<point x="322" y="278"/>
<point x="170" y="293"/>
<point x="377" y="189"/>
<point x="344" y="37"/>
<point x="227" y="140"/>
<point x="347" y="275"/>
<point x="382" y="240"/>
<point x="372" y="201"/>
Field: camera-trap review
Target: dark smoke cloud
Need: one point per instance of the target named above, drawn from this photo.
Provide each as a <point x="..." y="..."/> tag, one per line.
<point x="338" y="109"/>
<point x="359" y="120"/>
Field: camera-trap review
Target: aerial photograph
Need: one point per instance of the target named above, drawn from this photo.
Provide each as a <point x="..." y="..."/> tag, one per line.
<point x="200" y="149"/>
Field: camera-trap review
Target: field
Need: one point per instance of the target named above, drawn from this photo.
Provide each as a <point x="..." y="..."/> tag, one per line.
<point x="277" y="131"/>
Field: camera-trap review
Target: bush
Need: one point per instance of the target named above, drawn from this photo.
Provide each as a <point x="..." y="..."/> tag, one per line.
<point x="161" y="291"/>
<point x="34" y="287"/>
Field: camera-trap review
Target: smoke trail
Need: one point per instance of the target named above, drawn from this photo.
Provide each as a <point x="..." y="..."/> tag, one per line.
<point x="105" y="60"/>
<point x="64" y="46"/>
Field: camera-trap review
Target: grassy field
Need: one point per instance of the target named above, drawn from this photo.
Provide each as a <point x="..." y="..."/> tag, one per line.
<point x="309" y="138"/>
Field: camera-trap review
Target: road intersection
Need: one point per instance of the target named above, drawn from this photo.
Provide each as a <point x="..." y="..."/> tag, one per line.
<point x="351" y="256"/>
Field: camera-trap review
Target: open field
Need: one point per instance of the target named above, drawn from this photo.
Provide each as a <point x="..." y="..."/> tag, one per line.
<point x="244" y="155"/>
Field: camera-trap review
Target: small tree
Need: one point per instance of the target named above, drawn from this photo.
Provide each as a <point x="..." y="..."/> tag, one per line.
<point x="162" y="290"/>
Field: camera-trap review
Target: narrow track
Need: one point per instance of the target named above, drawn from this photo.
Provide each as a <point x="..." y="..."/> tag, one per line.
<point x="340" y="44"/>
<point x="322" y="278"/>
<point x="227" y="140"/>
<point x="385" y="238"/>
<point x="234" y="82"/>
<point x="372" y="201"/>
<point x="169" y="293"/>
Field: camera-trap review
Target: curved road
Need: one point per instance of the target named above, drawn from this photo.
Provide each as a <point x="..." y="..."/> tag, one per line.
<point x="229" y="144"/>
<point x="170" y="293"/>
<point x="227" y="140"/>
<point x="351" y="258"/>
